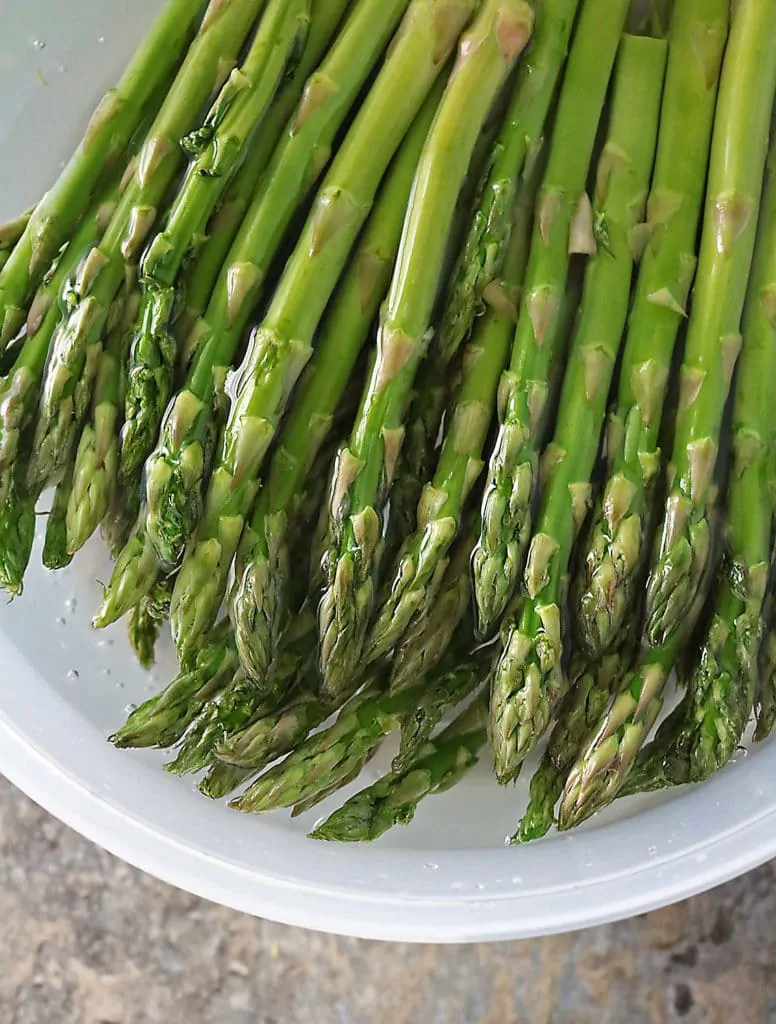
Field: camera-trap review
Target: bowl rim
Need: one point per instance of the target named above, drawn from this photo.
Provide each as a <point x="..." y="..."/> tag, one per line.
<point x="45" y="756"/>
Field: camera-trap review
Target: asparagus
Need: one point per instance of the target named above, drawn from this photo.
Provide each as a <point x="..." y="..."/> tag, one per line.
<point x="484" y="252"/>
<point x="280" y="347"/>
<point x="258" y="598"/>
<point x="620" y="533"/>
<point x="591" y="688"/>
<point x="177" y="469"/>
<point x="199" y="277"/>
<point x="145" y="622"/>
<point x="217" y="148"/>
<point x="13" y="230"/>
<point x="162" y="720"/>
<point x="76" y="346"/>
<point x="766" y="706"/>
<point x="110" y="129"/>
<point x="524" y="411"/>
<point x="438" y="765"/>
<point x="55" y="553"/>
<point x="428" y="638"/>
<point x="223" y="779"/>
<point x="365" y="468"/>
<point x="330" y="759"/>
<point x="738" y="156"/>
<point x="528" y="680"/>
<point x="421" y="565"/>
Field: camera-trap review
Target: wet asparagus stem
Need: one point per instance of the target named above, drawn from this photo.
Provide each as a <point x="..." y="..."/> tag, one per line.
<point x="55" y="553"/>
<point x="529" y="681"/>
<point x="438" y="765"/>
<point x="423" y="560"/>
<point x="77" y="344"/>
<point x="738" y="157"/>
<point x="217" y="149"/>
<point x="114" y="122"/>
<point x="146" y="620"/>
<point x="281" y="346"/>
<point x="511" y="480"/>
<point x="258" y="599"/>
<point x="487" y="53"/>
<point x="620" y="535"/>
<point x="162" y="720"/>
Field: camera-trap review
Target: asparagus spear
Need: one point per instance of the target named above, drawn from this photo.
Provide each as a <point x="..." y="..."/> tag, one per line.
<point x="55" y="553"/>
<point x="280" y="347"/>
<point x="429" y="637"/>
<point x="145" y="622"/>
<point x="331" y="758"/>
<point x="200" y="276"/>
<point x="438" y="765"/>
<point x="364" y="470"/>
<point x="766" y="706"/>
<point x="591" y="688"/>
<point x="524" y="411"/>
<point x="421" y="565"/>
<point x="110" y="129"/>
<point x="217" y="148"/>
<point x="528" y="681"/>
<point x="258" y="599"/>
<point x="162" y="720"/>
<point x="177" y="469"/>
<point x="485" y="249"/>
<point x="76" y="346"/>
<point x="620" y="534"/>
<point x="738" y="156"/>
<point x="13" y="230"/>
<point x="223" y="779"/>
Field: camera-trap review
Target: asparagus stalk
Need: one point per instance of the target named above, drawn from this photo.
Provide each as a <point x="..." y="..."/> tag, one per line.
<point x="766" y="706"/>
<point x="76" y="346"/>
<point x="484" y="252"/>
<point x="701" y="736"/>
<point x="738" y="157"/>
<point x="218" y="147"/>
<point x="591" y="687"/>
<point x="110" y="129"/>
<point x="524" y="412"/>
<point x="55" y="553"/>
<point x="528" y="680"/>
<point x="365" y="468"/>
<point x="177" y="469"/>
<point x="200" y="276"/>
<point x="258" y="599"/>
<point x="145" y="623"/>
<point x="438" y="765"/>
<point x="223" y="779"/>
<point x="281" y="346"/>
<point x="162" y="720"/>
<point x="330" y="759"/>
<point x="428" y="638"/>
<point x="423" y="561"/>
<point x="620" y="534"/>
<point x="13" y="230"/>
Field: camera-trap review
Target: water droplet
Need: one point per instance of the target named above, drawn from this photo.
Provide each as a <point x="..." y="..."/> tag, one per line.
<point x="39" y="44"/>
<point x="431" y="866"/>
<point x="105" y="672"/>
<point x="62" y="69"/>
<point x="71" y="604"/>
<point x="129" y="708"/>
<point x="517" y="879"/>
<point x="480" y="886"/>
<point x="73" y="674"/>
<point x="119" y="686"/>
<point x="651" y="851"/>
<point x="61" y="621"/>
<point x="101" y="40"/>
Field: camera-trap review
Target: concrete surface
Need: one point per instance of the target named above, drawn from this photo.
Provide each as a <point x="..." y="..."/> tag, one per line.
<point x="87" y="940"/>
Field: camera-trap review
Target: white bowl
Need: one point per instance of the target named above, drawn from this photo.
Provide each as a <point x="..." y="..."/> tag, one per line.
<point x="447" y="877"/>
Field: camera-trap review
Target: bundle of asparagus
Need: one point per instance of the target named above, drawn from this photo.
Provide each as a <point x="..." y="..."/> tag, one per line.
<point x="277" y="253"/>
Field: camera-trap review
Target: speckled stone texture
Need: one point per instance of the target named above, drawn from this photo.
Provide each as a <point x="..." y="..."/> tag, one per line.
<point x="88" y="940"/>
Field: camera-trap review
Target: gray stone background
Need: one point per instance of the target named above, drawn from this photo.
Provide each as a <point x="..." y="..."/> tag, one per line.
<point x="84" y="939"/>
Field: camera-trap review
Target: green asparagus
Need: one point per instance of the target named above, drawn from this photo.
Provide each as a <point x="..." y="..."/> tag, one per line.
<point x="145" y="623"/>
<point x="258" y="599"/>
<point x="529" y="681"/>
<point x="738" y="156"/>
<point x="438" y="765"/>
<point x="110" y="129"/>
<point x="77" y="344"/>
<point x="55" y="553"/>
<point x="559" y="230"/>
<point x="620" y="533"/>
<point x="365" y="468"/>
<point x="217" y="149"/>
<point x="281" y="346"/>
